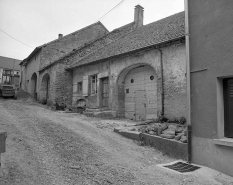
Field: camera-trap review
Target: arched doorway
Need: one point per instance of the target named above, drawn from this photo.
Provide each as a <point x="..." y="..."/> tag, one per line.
<point x="34" y="85"/>
<point x="139" y="85"/>
<point x="45" y="86"/>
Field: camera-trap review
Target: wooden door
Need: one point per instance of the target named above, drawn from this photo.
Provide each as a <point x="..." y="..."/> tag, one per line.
<point x="105" y="92"/>
<point x="141" y="93"/>
<point x="228" y="107"/>
<point x="140" y="104"/>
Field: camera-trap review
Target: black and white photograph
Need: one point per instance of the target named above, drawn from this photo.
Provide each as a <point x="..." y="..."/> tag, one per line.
<point x="116" y="92"/>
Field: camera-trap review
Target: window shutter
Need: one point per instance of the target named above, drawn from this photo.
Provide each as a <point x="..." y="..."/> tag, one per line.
<point x="85" y="86"/>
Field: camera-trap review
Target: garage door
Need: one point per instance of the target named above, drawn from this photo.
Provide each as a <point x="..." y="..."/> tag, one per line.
<point x="141" y="94"/>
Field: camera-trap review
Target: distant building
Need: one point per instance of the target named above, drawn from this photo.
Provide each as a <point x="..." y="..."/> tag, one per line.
<point x="9" y="70"/>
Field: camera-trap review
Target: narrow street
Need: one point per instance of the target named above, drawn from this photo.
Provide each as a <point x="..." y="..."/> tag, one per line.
<point x="46" y="147"/>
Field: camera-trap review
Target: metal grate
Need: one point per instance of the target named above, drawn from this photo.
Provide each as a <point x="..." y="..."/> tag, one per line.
<point x="182" y="167"/>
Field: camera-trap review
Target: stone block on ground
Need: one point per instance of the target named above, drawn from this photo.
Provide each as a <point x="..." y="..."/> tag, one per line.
<point x="164" y="126"/>
<point x="172" y="127"/>
<point x="152" y="133"/>
<point x="183" y="139"/>
<point x="185" y="132"/>
<point x="178" y="137"/>
<point x="179" y="129"/>
<point x="169" y="132"/>
<point x="168" y="136"/>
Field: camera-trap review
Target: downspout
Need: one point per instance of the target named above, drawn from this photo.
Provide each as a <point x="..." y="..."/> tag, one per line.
<point x="188" y="109"/>
<point x="162" y="86"/>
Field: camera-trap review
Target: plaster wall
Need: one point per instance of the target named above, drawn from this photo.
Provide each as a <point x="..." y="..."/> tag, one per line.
<point x="210" y="61"/>
<point x="116" y="69"/>
<point x="28" y="70"/>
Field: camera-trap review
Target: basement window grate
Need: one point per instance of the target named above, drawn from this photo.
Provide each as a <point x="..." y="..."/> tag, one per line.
<point x="182" y="167"/>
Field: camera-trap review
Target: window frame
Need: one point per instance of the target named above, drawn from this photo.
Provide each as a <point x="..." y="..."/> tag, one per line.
<point x="80" y="87"/>
<point x="227" y="133"/>
<point x="93" y="83"/>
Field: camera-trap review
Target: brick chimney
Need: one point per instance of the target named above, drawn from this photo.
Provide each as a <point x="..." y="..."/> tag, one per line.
<point x="60" y="35"/>
<point x="138" y="16"/>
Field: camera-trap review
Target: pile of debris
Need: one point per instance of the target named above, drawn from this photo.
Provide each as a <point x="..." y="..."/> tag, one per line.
<point x="166" y="130"/>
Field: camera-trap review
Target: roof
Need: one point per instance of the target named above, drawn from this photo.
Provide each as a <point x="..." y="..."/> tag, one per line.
<point x="39" y="47"/>
<point x="96" y="44"/>
<point x="9" y="63"/>
<point x="164" y="30"/>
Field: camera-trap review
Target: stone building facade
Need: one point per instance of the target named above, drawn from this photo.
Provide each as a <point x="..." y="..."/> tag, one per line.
<point x="138" y="76"/>
<point x="136" y="71"/>
<point x="40" y="82"/>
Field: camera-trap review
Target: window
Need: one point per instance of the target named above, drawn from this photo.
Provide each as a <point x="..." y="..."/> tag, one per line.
<point x="94" y="84"/>
<point x="80" y="87"/>
<point x="228" y="107"/>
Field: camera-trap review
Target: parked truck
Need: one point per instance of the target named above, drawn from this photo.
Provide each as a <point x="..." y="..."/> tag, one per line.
<point x="9" y="84"/>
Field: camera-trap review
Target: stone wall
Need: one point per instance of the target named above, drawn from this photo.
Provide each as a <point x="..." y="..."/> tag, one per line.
<point x="62" y="84"/>
<point x="116" y="69"/>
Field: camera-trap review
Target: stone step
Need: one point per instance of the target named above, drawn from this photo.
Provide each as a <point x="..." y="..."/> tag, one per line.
<point x="97" y="109"/>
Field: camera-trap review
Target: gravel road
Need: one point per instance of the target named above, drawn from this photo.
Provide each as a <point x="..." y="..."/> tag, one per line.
<point x="46" y="147"/>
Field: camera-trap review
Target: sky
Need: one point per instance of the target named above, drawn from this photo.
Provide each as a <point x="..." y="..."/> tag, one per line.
<point x="36" y="22"/>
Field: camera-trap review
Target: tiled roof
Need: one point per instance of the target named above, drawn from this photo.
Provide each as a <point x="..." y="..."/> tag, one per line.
<point x="73" y="33"/>
<point x="164" y="30"/>
<point x="88" y="48"/>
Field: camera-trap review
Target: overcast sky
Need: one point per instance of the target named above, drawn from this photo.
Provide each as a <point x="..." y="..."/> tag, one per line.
<point x="35" y="22"/>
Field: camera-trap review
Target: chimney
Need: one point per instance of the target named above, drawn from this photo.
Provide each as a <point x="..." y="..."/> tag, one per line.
<point x="60" y="35"/>
<point x="138" y="16"/>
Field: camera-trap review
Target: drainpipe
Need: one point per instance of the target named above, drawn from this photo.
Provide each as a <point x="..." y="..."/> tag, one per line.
<point x="162" y="86"/>
<point x="189" y="128"/>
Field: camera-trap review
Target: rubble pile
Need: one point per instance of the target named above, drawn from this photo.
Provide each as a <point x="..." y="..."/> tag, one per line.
<point x="166" y="130"/>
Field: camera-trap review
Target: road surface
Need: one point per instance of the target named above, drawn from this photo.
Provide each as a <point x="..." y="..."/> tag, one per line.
<point x="46" y="147"/>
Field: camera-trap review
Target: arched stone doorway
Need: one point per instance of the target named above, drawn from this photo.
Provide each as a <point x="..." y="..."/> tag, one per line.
<point x="45" y="86"/>
<point x="34" y="85"/>
<point x="137" y="92"/>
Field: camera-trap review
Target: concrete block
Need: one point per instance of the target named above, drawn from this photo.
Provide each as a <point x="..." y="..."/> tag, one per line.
<point x="167" y="146"/>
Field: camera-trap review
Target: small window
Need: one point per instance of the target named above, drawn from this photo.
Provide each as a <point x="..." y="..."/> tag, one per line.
<point x="80" y="87"/>
<point x="228" y="107"/>
<point x="152" y="77"/>
<point x="132" y="80"/>
<point x="94" y="84"/>
<point x="127" y="91"/>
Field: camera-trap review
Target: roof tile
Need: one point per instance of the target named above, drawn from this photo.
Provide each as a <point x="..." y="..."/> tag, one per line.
<point x="166" y="29"/>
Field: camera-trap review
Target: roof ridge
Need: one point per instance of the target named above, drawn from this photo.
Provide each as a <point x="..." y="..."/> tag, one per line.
<point x="122" y="26"/>
<point x="82" y="29"/>
<point x="88" y="44"/>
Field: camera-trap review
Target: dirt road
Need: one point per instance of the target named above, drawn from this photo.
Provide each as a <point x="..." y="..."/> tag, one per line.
<point x="46" y="147"/>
